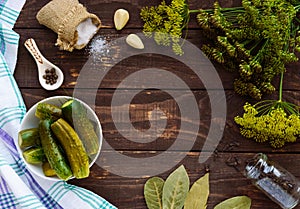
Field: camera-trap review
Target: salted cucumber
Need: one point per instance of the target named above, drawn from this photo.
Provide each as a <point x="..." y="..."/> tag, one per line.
<point x="34" y="155"/>
<point x="48" y="111"/>
<point x="53" y="152"/>
<point x="28" y="138"/>
<point x="47" y="170"/>
<point x="73" y="148"/>
<point x="76" y="115"/>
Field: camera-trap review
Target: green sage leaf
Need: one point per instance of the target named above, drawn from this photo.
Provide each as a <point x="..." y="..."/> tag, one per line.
<point x="198" y="194"/>
<point x="175" y="189"/>
<point x="239" y="202"/>
<point x="153" y="192"/>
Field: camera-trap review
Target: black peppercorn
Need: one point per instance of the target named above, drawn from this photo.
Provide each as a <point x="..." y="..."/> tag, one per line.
<point x="50" y="76"/>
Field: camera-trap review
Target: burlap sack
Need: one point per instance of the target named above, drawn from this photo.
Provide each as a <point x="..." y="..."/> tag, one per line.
<point x="63" y="17"/>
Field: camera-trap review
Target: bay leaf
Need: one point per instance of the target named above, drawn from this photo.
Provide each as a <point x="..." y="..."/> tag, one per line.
<point x="175" y="189"/>
<point x="153" y="192"/>
<point x="238" y="202"/>
<point x="198" y="194"/>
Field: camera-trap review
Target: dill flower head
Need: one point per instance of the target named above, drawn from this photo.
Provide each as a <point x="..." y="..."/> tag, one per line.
<point x="270" y="121"/>
<point x="166" y="22"/>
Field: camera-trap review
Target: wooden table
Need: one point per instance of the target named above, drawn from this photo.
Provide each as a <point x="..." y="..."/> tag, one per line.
<point x="126" y="192"/>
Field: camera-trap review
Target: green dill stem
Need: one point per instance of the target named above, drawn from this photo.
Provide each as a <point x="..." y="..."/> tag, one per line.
<point x="229" y="10"/>
<point x="256" y="44"/>
<point x="297" y="20"/>
<point x="194" y="11"/>
<point x="280" y="87"/>
<point x="297" y="7"/>
<point x="261" y="51"/>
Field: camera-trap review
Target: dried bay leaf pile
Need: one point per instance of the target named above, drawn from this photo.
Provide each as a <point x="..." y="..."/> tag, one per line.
<point x="174" y="193"/>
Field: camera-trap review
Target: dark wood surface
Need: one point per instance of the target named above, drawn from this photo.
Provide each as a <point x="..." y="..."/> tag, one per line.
<point x="124" y="192"/>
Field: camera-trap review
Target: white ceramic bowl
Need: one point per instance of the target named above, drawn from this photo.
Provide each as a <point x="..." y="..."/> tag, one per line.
<point x="31" y="121"/>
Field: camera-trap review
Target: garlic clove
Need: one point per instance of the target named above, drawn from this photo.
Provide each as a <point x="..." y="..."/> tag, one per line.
<point x="134" y="41"/>
<point x="121" y="18"/>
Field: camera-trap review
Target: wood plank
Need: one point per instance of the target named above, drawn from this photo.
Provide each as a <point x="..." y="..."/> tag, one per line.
<point x="105" y="11"/>
<point x="140" y="110"/>
<point x="225" y="181"/>
<point x="72" y="63"/>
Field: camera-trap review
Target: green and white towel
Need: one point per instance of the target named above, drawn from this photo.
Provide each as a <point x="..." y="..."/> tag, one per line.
<point x="18" y="187"/>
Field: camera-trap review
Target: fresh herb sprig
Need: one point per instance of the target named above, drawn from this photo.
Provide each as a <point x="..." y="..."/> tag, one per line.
<point x="257" y="39"/>
<point x="166" y="23"/>
<point x="273" y="121"/>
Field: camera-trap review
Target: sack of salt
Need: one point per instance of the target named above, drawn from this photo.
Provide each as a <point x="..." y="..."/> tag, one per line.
<point x="74" y="25"/>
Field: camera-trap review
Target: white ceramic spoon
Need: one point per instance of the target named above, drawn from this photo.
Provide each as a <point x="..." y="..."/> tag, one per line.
<point x="43" y="64"/>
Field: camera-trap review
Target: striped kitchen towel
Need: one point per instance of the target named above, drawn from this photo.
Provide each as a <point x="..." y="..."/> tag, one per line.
<point x="18" y="187"/>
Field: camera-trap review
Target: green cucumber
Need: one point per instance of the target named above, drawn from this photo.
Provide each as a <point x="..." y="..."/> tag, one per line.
<point x="76" y="115"/>
<point x="34" y="155"/>
<point x="48" y="111"/>
<point x="29" y="138"/>
<point x="47" y="170"/>
<point x="53" y="152"/>
<point x="73" y="148"/>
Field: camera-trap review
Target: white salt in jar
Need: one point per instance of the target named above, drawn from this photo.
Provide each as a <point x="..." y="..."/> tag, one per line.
<point x="275" y="181"/>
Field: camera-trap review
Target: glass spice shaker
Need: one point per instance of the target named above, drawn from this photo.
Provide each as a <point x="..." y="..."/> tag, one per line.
<point x="275" y="181"/>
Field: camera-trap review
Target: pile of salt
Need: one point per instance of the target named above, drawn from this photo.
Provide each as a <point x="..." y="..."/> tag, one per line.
<point x="85" y="30"/>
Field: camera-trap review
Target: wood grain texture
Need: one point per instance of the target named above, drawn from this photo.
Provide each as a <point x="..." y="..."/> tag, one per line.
<point x="142" y="106"/>
<point x="72" y="63"/>
<point x="105" y="11"/>
<point x="225" y="181"/>
<point x="125" y="193"/>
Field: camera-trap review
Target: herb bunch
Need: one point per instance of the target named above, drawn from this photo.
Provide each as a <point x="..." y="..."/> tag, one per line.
<point x="166" y="22"/>
<point x="273" y="121"/>
<point x="257" y="40"/>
